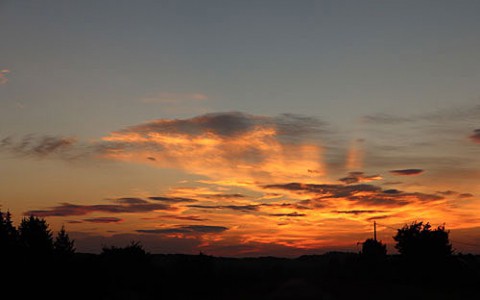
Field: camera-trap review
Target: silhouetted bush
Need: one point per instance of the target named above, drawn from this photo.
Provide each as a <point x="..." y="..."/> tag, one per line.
<point x="133" y="253"/>
<point x="419" y="241"/>
<point x="373" y="249"/>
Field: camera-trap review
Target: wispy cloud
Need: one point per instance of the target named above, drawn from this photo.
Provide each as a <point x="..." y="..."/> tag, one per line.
<point x="171" y="199"/>
<point x="104" y="220"/>
<point x="357" y="211"/>
<point x="67" y="209"/>
<point x="293" y="214"/>
<point x="130" y="200"/>
<point x="407" y="172"/>
<point x="38" y="146"/>
<point x="178" y="217"/>
<point x="247" y="208"/>
<point x="362" y="194"/>
<point x="73" y="221"/>
<point x="186" y="229"/>
<point x="224" y="196"/>
<point x="356" y="177"/>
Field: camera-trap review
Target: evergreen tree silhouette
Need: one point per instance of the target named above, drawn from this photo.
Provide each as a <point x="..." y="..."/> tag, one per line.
<point x="35" y="237"/>
<point x="63" y="245"/>
<point x="8" y="235"/>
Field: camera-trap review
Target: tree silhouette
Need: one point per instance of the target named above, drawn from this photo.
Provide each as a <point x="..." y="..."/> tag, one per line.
<point x="130" y="254"/>
<point x="63" y="245"/>
<point x="35" y="237"/>
<point x="134" y="249"/>
<point x="372" y="248"/>
<point x="8" y="234"/>
<point x="418" y="240"/>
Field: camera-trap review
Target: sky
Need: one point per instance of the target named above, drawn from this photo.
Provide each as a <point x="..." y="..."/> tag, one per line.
<point x="241" y="128"/>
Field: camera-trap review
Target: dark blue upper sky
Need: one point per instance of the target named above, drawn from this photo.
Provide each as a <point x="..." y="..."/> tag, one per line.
<point x="335" y="59"/>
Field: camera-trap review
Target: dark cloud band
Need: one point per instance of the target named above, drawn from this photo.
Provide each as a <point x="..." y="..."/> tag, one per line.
<point x="407" y="172"/>
<point x="186" y="229"/>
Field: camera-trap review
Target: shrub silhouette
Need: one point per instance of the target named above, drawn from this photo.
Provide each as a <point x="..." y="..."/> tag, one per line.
<point x="130" y="254"/>
<point x="418" y="240"/>
<point x="35" y="237"/>
<point x="373" y="249"/>
<point x="63" y="245"/>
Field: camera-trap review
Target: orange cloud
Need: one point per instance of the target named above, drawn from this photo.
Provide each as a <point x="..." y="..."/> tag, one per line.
<point x="233" y="148"/>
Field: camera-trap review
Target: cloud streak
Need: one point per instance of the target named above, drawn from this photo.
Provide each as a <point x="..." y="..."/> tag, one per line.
<point x="186" y="229"/>
<point x="195" y="218"/>
<point x="172" y="199"/>
<point x="244" y="208"/>
<point x="357" y="177"/>
<point x="362" y="194"/>
<point x="407" y="172"/>
<point x="38" y="146"/>
<point x="293" y="214"/>
<point x="103" y="220"/>
<point x="358" y="211"/>
<point x="67" y="209"/>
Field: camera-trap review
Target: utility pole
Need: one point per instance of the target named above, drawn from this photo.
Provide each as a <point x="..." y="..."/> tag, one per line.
<point x="375" y="231"/>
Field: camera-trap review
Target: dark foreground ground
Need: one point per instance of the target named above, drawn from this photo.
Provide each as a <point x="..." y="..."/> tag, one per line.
<point x="330" y="276"/>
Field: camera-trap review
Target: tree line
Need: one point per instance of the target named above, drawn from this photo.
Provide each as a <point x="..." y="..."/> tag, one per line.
<point x="417" y="241"/>
<point x="33" y="238"/>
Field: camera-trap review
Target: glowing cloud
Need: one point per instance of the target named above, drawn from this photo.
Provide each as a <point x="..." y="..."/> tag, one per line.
<point x="233" y="147"/>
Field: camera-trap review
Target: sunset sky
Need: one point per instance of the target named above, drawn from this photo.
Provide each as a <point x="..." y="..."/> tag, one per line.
<point x="241" y="128"/>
